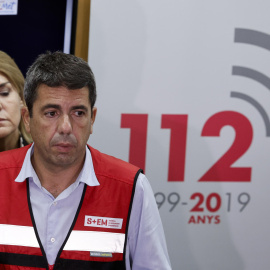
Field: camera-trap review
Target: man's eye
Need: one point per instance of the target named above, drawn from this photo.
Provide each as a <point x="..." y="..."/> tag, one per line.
<point x="50" y="114"/>
<point x="79" y="113"/>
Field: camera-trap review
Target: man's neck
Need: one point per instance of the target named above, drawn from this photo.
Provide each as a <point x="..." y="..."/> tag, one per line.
<point x="58" y="179"/>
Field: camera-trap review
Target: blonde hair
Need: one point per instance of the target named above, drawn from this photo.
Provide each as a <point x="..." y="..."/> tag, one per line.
<point x="9" y="69"/>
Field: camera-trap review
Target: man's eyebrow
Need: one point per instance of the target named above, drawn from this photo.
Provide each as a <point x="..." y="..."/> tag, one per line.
<point x="58" y="107"/>
<point x="80" y="107"/>
<point x="52" y="106"/>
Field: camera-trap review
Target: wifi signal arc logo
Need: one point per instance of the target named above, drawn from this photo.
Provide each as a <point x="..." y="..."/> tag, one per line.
<point x="262" y="40"/>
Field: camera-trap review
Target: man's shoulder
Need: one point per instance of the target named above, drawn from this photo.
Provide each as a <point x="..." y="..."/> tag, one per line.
<point x="13" y="158"/>
<point x="112" y="167"/>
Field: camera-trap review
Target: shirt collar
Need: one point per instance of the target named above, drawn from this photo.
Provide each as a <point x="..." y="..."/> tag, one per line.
<point x="87" y="174"/>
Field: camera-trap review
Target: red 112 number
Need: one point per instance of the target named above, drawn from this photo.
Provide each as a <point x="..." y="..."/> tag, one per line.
<point x="221" y="171"/>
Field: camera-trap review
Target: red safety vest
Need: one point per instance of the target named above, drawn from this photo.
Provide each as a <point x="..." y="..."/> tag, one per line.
<point x="98" y="235"/>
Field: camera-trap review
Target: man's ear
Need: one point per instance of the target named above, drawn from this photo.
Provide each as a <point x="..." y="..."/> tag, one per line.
<point x="26" y="118"/>
<point x="93" y="118"/>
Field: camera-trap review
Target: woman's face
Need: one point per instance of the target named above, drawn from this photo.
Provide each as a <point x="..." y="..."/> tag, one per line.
<point x="10" y="108"/>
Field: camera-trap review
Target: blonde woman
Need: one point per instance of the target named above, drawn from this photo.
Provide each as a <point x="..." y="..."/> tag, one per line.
<point x="12" y="130"/>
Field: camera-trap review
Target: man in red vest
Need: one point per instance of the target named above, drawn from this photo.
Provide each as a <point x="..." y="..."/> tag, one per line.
<point x="65" y="205"/>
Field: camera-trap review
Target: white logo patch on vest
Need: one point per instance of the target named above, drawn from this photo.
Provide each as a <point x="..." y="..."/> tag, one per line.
<point x="104" y="222"/>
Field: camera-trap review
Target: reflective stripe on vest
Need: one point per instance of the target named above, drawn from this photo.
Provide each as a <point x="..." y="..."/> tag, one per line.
<point x="78" y="240"/>
<point x="18" y="236"/>
<point x="96" y="241"/>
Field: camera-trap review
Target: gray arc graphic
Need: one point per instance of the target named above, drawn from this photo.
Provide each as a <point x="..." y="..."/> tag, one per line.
<point x="258" y="106"/>
<point x="252" y="74"/>
<point x="252" y="37"/>
<point x="261" y="40"/>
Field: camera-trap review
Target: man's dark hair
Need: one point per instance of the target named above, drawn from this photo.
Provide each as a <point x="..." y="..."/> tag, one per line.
<point x="58" y="69"/>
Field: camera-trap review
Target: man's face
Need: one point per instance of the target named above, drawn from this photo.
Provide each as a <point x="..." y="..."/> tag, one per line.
<point x="61" y="124"/>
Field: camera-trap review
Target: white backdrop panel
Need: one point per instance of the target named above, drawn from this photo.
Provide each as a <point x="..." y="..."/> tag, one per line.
<point x="196" y="60"/>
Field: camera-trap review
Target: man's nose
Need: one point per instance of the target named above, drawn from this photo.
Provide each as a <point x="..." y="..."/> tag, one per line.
<point x="65" y="125"/>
